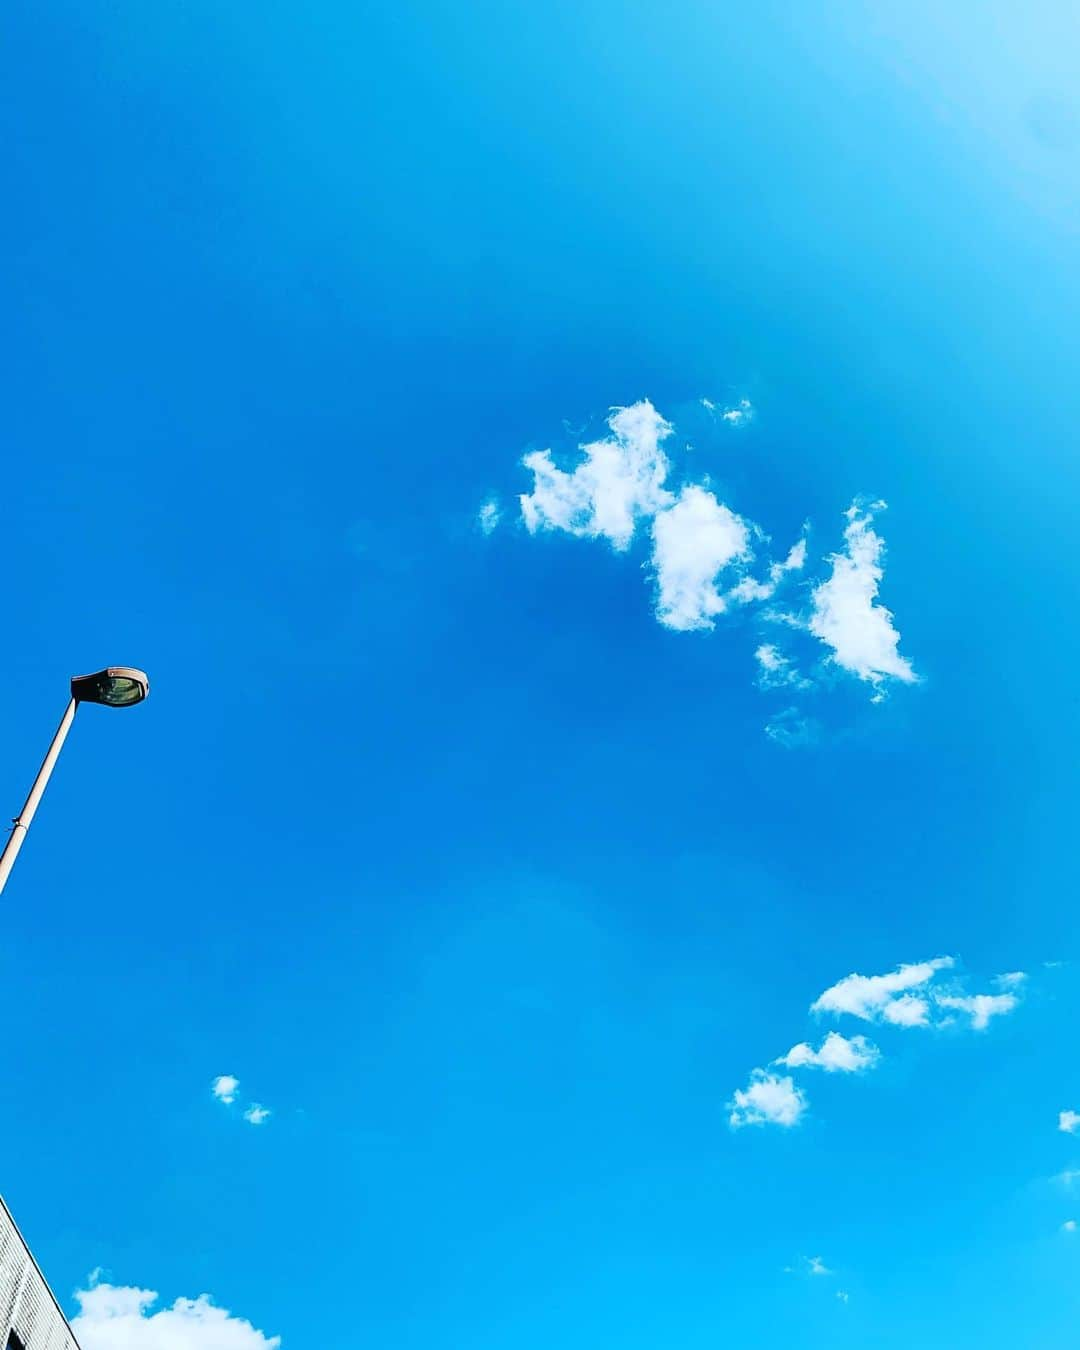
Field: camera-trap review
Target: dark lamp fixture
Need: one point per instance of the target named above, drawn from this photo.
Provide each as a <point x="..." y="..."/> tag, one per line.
<point x="115" y="686"/>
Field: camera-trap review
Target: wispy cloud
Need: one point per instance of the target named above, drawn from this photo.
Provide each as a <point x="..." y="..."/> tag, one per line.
<point x="121" y="1317"/>
<point x="767" y="1100"/>
<point x="1069" y="1226"/>
<point x="488" y="516"/>
<point x="836" y="1054"/>
<point x="256" y="1114"/>
<point x="1012" y="979"/>
<point x="792" y="729"/>
<point x="776" y="670"/>
<point x="1068" y="1122"/>
<point x="225" y="1088"/>
<point x="979" y="1007"/>
<point x="846" y="615"/>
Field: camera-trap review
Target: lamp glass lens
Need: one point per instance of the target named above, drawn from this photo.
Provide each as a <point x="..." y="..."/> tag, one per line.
<point x="120" y="690"/>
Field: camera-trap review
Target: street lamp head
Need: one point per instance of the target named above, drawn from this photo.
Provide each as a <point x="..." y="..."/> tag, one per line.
<point x="115" y="686"/>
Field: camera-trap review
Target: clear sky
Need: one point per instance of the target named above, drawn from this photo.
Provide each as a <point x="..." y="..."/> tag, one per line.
<point x="500" y="848"/>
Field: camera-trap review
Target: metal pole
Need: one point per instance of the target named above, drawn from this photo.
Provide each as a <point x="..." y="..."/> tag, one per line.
<point x="26" y="815"/>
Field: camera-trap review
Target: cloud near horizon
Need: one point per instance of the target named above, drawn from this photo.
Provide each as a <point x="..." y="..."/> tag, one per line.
<point x="120" y="1317"/>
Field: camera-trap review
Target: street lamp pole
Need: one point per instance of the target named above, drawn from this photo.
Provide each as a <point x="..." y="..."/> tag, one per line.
<point x="115" y="687"/>
<point x="26" y="815"/>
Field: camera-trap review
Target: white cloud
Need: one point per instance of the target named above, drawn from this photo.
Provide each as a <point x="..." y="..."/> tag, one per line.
<point x="619" y="481"/>
<point x="979" y="1007"/>
<point x="1068" y="1122"/>
<point x="836" y="1054"/>
<point x="224" y="1088"/>
<point x="776" y="669"/>
<point x="489" y="516"/>
<point x="1069" y="1226"/>
<point x="794" y="562"/>
<point x="846" y="615"/>
<point x="738" y="414"/>
<point x="872" y="996"/>
<point x="843" y="1295"/>
<point x="120" y="1318"/>
<point x="693" y="541"/>
<point x="256" y="1114"/>
<point x="1011" y="979"/>
<point x="767" y="1100"/>
<point x="1067" y="1177"/>
<point x="907" y="1011"/>
<point x="817" y="1266"/>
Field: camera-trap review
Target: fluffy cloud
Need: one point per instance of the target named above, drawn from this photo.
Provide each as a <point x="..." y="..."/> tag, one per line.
<point x="619" y="481"/>
<point x="256" y="1114"/>
<point x="702" y="555"/>
<point x="846" y="615"/>
<point x="767" y="1100"/>
<point x="115" y="1317"/>
<point x="836" y="1054"/>
<point x="884" y="996"/>
<point x="224" y="1088"/>
<point x="694" y="540"/>
<point x="979" y="1007"/>
<point x="1011" y="979"/>
<point x="1068" y="1122"/>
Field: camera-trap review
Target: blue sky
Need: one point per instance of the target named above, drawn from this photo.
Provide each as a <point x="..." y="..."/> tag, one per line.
<point x="465" y="852"/>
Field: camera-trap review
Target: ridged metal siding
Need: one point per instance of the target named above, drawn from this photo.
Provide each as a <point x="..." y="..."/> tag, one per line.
<point x="27" y="1306"/>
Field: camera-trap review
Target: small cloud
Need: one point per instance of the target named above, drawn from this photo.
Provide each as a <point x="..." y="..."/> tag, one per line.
<point x="817" y="1266"/>
<point x="843" y="1295"/>
<point x="739" y="414"/>
<point x="1069" y="1226"/>
<point x="846" y="614"/>
<point x="979" y="1007"/>
<point x="489" y="516"/>
<point x="792" y="730"/>
<point x="1068" y="1122"/>
<point x="776" y="670"/>
<point x="767" y="1100"/>
<point x="836" y="1054"/>
<point x="1067" y="1177"/>
<point x="224" y="1088"/>
<point x="1012" y="979"/>
<point x="256" y="1114"/>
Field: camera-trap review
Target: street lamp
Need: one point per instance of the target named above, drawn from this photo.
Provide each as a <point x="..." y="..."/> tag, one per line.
<point x="115" y="687"/>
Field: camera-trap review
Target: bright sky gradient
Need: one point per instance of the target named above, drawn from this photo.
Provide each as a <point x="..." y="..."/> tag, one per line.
<point x="431" y="961"/>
